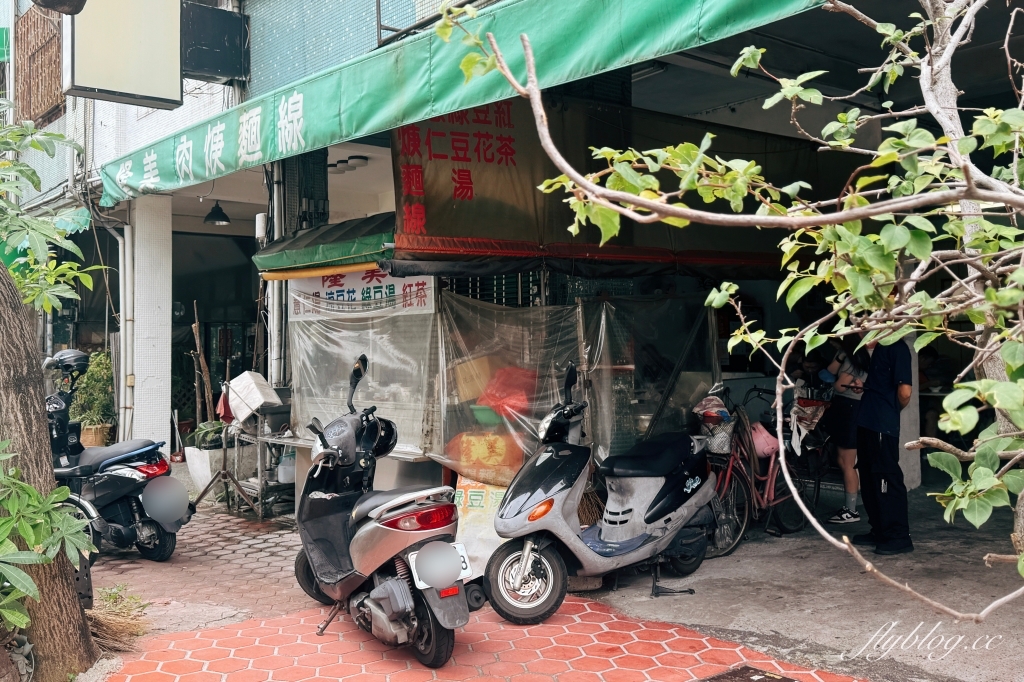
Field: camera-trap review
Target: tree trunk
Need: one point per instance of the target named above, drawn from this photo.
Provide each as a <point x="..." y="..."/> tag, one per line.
<point x="63" y="643"/>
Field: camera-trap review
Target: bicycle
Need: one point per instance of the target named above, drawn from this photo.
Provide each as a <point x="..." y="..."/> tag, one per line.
<point x="746" y="493"/>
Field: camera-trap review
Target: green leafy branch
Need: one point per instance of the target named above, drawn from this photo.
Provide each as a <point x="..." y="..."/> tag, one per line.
<point x="43" y="526"/>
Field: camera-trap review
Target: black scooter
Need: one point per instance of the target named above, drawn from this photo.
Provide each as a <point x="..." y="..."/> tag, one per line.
<point x="110" y="486"/>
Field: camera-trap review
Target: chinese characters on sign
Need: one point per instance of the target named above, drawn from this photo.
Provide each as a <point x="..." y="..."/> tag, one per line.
<point x="450" y="156"/>
<point x="249" y="141"/>
<point x="289" y="124"/>
<point x="213" y="148"/>
<point x="183" y="158"/>
<point x="369" y="292"/>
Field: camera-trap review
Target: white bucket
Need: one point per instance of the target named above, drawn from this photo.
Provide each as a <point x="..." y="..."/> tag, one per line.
<point x="286" y="469"/>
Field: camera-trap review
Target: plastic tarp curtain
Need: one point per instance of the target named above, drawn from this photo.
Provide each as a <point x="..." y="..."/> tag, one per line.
<point x="323" y="347"/>
<point x="503" y="370"/>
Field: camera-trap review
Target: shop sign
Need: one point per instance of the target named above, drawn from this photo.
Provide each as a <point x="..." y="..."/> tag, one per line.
<point x="472" y="168"/>
<point x="368" y="292"/>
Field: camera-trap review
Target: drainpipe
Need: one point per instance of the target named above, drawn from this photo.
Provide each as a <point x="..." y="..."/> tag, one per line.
<point x="49" y="334"/>
<point x="129" y="327"/>
<point x="276" y="288"/>
<point x="122" y="338"/>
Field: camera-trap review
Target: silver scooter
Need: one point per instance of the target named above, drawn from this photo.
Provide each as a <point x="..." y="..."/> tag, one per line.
<point x="387" y="558"/>
<point x="658" y="510"/>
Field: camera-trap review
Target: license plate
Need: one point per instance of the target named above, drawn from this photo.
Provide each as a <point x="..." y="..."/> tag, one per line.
<point x="467" y="570"/>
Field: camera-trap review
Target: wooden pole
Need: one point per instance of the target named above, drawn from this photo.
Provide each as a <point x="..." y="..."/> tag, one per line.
<point x="199" y="389"/>
<point x="211" y="412"/>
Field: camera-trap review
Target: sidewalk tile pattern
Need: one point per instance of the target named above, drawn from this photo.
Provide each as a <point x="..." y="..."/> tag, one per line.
<point x="585" y="641"/>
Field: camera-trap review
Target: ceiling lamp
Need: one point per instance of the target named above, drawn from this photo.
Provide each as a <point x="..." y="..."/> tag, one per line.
<point x="217" y="216"/>
<point x="358" y="161"/>
<point x="334" y="169"/>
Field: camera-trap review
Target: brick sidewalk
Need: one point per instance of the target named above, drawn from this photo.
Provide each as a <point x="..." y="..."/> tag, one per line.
<point x="229" y="561"/>
<point x="585" y="641"/>
<point x="220" y="559"/>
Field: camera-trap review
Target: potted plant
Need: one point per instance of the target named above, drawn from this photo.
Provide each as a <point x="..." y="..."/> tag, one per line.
<point x="93" y="405"/>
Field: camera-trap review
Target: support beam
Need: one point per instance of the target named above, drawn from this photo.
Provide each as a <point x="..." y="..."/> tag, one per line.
<point x="149" y="357"/>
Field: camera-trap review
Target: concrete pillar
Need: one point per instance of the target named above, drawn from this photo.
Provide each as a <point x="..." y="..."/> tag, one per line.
<point x="910" y="426"/>
<point x="151" y="221"/>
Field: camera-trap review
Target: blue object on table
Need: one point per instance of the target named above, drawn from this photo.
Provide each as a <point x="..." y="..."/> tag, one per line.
<point x="827" y="376"/>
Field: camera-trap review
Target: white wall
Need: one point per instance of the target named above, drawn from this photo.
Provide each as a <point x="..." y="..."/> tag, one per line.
<point x="151" y="220"/>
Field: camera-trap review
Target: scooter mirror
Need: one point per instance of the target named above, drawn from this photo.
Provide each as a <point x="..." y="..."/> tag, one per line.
<point x="570" y="381"/>
<point x="358" y="372"/>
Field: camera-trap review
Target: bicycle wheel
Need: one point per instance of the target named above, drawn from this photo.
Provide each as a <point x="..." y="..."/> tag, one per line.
<point x="734" y="518"/>
<point x="788" y="516"/>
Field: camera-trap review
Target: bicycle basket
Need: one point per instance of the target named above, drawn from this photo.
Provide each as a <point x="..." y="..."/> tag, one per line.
<point x="719" y="436"/>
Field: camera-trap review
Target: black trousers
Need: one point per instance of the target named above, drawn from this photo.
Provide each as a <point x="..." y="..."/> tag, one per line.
<point x="882" y="487"/>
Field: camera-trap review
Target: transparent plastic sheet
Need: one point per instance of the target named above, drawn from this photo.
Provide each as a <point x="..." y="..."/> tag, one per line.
<point x="324" y="343"/>
<point x="503" y="370"/>
<point x="650" y="361"/>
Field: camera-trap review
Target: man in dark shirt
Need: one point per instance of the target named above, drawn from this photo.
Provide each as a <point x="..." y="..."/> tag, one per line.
<point x="886" y="392"/>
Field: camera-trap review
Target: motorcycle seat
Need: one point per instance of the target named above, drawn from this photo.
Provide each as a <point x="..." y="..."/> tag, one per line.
<point x="97" y="457"/>
<point x="652" y="458"/>
<point x="372" y="500"/>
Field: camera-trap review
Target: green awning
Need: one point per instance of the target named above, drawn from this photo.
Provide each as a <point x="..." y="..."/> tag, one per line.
<point x="353" y="241"/>
<point x="419" y="78"/>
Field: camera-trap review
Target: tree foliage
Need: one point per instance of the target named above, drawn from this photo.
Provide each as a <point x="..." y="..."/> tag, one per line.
<point x="39" y="276"/>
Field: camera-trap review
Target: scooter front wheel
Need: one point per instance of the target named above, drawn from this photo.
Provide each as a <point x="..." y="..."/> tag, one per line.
<point x="307" y="580"/>
<point x="543" y="588"/>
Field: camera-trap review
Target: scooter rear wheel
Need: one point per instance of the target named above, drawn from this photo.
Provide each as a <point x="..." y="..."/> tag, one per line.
<point x="433" y="644"/>
<point x="542" y="592"/>
<point x="162" y="548"/>
<point x="307" y="580"/>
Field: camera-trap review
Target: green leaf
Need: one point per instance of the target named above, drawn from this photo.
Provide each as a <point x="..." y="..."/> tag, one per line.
<point x="1014" y="480"/>
<point x="799" y="289"/>
<point x="920" y="222"/>
<point x="886" y="29"/>
<point x="966" y="145"/>
<point x="924" y="339"/>
<point x="468" y="63"/>
<point x="894" y="237"/>
<point x="1012" y="353"/>
<point x="946" y="462"/>
<point x="1008" y="396"/>
<point x="977" y="511"/>
<point x="19" y="579"/>
<point x="956" y="399"/>
<point x="886" y="159"/>
<point x="920" y="245"/>
<point x="986" y="459"/>
<point x="750" y="57"/>
<point x="444" y="29"/>
<point x="607" y="220"/>
<point x="997" y="496"/>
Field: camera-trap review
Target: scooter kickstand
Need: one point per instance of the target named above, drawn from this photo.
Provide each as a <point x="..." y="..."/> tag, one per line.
<point x="331" y="615"/>
<point x="657" y="590"/>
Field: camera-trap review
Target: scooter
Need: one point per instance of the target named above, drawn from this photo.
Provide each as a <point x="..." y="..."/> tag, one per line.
<point x="387" y="558"/>
<point x="113" y="487"/>
<point x="658" y="510"/>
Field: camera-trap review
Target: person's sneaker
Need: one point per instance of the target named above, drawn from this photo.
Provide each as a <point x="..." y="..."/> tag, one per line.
<point x="845" y="515"/>
<point x="864" y="540"/>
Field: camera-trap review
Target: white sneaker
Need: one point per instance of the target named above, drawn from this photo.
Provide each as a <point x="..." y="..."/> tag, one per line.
<point x="845" y="515"/>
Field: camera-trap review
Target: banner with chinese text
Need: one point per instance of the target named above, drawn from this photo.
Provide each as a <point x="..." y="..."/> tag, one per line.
<point x="471" y="172"/>
<point x="360" y="293"/>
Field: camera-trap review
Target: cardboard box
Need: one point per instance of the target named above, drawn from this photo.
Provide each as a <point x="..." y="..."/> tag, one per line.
<point x="471" y="376"/>
<point x="248" y="393"/>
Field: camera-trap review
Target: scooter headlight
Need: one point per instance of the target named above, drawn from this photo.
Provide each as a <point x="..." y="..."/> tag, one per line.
<point x="545" y="424"/>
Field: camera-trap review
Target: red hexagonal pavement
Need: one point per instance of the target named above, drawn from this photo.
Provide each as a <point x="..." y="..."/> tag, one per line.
<point x="585" y="641"/>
